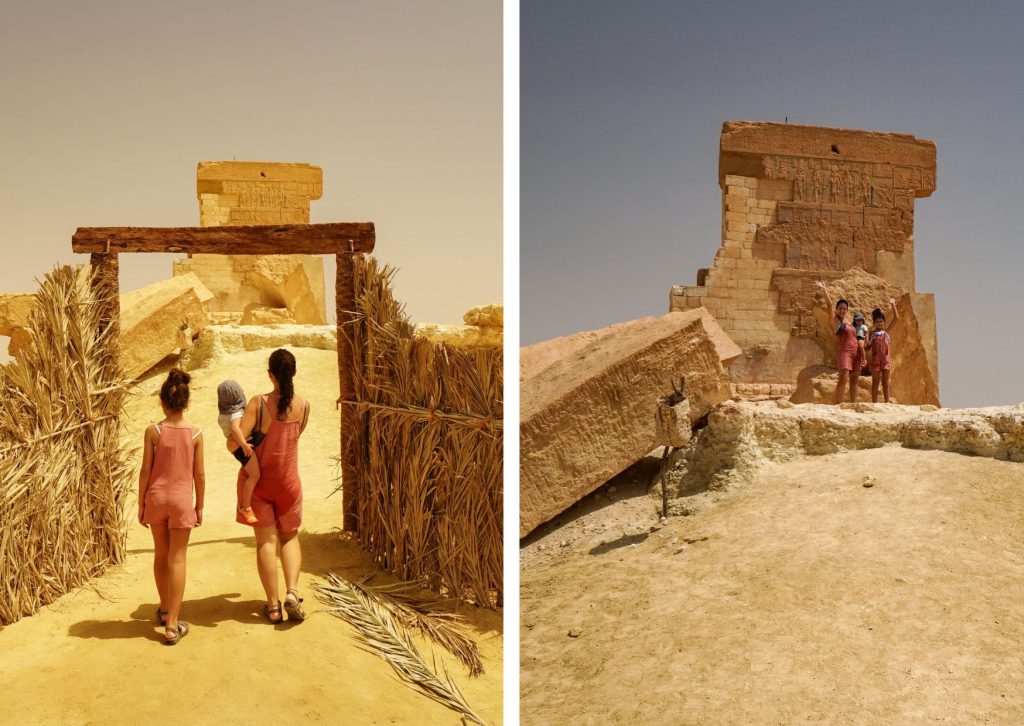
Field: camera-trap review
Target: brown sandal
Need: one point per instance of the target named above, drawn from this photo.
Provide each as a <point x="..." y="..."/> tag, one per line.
<point x="267" y="611"/>
<point x="294" y="609"/>
<point x="161" y="615"/>
<point x="180" y="632"/>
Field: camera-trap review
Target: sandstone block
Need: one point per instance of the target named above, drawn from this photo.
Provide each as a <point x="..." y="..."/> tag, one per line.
<point x="256" y="314"/>
<point x="590" y="413"/>
<point x="283" y="279"/>
<point x="150" y="327"/>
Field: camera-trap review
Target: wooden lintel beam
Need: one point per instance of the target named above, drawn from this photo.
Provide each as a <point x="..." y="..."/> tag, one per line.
<point x="271" y="239"/>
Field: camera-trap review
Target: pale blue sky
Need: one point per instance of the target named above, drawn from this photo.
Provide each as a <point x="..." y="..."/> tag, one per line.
<point x="621" y="109"/>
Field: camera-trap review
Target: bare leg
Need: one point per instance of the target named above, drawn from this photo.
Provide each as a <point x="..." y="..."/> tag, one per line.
<point x="266" y="562"/>
<point x="854" y="388"/>
<point x="161" y="545"/>
<point x="841" y="385"/>
<point x="253" y="470"/>
<point x="291" y="558"/>
<point x="874" y="386"/>
<point x="885" y="385"/>
<point x="176" y="578"/>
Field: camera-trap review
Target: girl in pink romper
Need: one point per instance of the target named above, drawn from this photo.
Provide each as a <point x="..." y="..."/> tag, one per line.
<point x="172" y="469"/>
<point x="881" y="360"/>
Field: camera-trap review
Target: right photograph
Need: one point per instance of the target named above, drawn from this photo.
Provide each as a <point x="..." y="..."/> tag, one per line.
<point x="751" y="242"/>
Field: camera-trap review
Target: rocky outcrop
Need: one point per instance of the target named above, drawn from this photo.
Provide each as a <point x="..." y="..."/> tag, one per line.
<point x="589" y="415"/>
<point x="482" y="329"/>
<point x="14" y="312"/>
<point x="485" y="316"/>
<point x="742" y="437"/>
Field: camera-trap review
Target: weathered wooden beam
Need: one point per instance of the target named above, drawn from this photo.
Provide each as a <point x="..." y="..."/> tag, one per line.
<point x="350" y="415"/>
<point x="272" y="239"/>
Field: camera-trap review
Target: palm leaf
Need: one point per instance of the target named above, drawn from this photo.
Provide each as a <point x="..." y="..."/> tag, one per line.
<point x="385" y="637"/>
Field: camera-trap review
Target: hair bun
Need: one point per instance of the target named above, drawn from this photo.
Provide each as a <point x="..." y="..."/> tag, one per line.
<point x="177" y="376"/>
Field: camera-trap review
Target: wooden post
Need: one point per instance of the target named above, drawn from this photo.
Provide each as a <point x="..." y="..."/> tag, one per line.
<point x="346" y="312"/>
<point x="108" y="290"/>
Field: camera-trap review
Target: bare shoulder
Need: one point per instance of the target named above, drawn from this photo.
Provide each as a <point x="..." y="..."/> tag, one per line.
<point x="151" y="434"/>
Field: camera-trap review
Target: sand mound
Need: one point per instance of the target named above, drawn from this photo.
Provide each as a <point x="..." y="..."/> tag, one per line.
<point x="95" y="657"/>
<point x="803" y="596"/>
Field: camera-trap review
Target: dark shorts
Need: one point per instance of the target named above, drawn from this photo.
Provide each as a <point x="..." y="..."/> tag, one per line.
<point x="254" y="440"/>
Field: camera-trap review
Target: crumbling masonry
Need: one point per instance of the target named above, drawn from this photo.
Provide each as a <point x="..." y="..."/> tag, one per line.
<point x="803" y="203"/>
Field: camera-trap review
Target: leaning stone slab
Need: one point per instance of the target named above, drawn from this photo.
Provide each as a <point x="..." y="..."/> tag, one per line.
<point x="589" y="415"/>
<point x="153" y="318"/>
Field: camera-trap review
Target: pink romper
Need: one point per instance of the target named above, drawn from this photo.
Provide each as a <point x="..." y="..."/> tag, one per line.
<point x="880" y="360"/>
<point x="169" y="494"/>
<point x="277" y="499"/>
<point x="848" y="355"/>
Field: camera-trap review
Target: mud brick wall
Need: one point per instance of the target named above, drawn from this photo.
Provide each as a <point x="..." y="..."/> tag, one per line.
<point x="799" y="204"/>
<point x="245" y="192"/>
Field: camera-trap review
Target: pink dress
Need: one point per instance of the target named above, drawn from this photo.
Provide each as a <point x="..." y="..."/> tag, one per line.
<point x="277" y="499"/>
<point x="880" y="359"/>
<point x="848" y="357"/>
<point x="169" y="494"/>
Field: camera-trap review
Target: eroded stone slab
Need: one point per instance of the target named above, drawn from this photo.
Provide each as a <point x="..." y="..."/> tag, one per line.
<point x="590" y="414"/>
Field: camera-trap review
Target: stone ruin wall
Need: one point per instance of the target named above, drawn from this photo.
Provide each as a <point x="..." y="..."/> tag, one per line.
<point x="800" y="204"/>
<point x="243" y="192"/>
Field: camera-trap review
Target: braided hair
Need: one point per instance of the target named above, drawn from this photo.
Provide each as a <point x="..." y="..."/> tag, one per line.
<point x="174" y="391"/>
<point x="282" y="365"/>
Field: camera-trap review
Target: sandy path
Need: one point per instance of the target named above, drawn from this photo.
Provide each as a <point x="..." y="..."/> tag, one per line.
<point x="805" y="597"/>
<point x="96" y="658"/>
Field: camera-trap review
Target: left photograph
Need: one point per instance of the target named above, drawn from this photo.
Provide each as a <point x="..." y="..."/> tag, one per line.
<point x="251" y="331"/>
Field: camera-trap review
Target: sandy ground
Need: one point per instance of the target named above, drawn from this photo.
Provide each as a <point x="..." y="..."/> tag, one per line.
<point x="95" y="657"/>
<point x="805" y="596"/>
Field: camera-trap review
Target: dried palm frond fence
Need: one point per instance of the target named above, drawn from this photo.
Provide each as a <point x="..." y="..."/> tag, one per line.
<point x="63" y="469"/>
<point x="425" y="431"/>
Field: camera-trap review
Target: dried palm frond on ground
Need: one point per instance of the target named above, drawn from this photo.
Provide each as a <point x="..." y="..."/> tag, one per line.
<point x="384" y="636"/>
<point x="64" y="474"/>
<point x="427" y="426"/>
<point x="432" y="619"/>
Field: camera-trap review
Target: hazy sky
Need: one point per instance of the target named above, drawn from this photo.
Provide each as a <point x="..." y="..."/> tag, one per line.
<point x="106" y="108"/>
<point x="622" y="105"/>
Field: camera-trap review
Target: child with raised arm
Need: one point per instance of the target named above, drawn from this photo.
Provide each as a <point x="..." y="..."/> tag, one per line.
<point x="878" y="348"/>
<point x="172" y="470"/>
<point x="231" y="406"/>
<point x="848" y="349"/>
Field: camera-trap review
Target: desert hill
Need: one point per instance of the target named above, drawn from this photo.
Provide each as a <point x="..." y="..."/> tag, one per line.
<point x="801" y="595"/>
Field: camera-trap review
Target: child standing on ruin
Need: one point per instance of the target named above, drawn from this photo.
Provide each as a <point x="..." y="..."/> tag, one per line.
<point x="172" y="469"/>
<point x="849" y="352"/>
<point x="231" y="406"/>
<point x="860" y="325"/>
<point x="878" y="349"/>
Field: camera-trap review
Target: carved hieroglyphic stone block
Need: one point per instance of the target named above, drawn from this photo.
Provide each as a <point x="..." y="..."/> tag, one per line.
<point x="802" y="204"/>
<point x="247" y="192"/>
